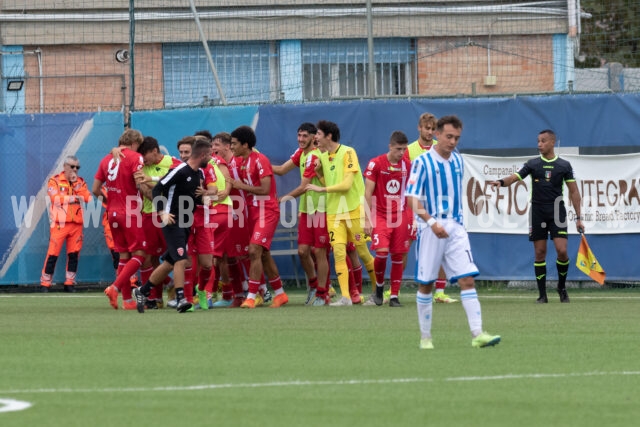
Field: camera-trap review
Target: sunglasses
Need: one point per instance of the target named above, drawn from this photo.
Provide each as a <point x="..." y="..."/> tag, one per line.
<point x="76" y="167"/>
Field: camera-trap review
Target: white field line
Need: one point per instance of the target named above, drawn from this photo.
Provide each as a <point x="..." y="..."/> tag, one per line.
<point x="11" y="405"/>
<point x="301" y="383"/>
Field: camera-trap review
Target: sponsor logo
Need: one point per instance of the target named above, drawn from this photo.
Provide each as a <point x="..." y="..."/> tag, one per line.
<point x="393" y="186"/>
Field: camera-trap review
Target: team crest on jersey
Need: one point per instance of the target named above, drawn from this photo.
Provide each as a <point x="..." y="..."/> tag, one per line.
<point x="358" y="237"/>
<point x="180" y="251"/>
<point x="393" y="186"/>
<point x="371" y="166"/>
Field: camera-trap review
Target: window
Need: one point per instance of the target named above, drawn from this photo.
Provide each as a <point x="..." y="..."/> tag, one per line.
<point x="340" y="68"/>
<point x="245" y="71"/>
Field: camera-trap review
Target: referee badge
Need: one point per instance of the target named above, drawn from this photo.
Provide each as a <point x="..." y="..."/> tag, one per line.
<point x="547" y="175"/>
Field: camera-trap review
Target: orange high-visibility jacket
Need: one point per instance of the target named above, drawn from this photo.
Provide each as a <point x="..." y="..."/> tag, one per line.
<point x="65" y="199"/>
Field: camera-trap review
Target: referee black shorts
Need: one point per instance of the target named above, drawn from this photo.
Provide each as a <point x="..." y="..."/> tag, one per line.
<point x="547" y="221"/>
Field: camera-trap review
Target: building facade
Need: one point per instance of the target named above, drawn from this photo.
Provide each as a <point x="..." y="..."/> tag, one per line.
<point x="76" y="55"/>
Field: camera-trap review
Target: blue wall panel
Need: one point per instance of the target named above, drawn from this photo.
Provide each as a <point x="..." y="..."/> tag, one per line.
<point x="31" y="143"/>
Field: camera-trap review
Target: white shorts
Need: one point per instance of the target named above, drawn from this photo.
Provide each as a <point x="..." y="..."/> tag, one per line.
<point x="453" y="253"/>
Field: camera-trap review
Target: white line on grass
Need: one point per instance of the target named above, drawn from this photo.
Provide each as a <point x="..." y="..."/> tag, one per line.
<point x="318" y="383"/>
<point x="11" y="405"/>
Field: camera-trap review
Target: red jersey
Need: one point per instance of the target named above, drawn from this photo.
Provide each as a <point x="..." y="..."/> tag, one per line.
<point x="234" y="171"/>
<point x="209" y="174"/>
<point x="254" y="168"/>
<point x="121" y="189"/>
<point x="310" y="162"/>
<point x="391" y="180"/>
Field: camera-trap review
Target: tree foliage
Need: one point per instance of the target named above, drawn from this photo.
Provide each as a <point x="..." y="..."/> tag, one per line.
<point x="611" y="34"/>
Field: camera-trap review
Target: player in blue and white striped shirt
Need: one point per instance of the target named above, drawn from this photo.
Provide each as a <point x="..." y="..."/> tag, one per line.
<point x="434" y="192"/>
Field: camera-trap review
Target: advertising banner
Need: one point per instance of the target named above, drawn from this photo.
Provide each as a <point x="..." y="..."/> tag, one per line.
<point x="609" y="186"/>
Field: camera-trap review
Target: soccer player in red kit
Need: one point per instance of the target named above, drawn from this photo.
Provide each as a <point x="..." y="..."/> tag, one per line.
<point x="388" y="224"/>
<point x="236" y="247"/>
<point x="258" y="183"/>
<point x="124" y="205"/>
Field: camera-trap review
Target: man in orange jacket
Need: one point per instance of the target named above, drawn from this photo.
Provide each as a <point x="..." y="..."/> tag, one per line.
<point x="65" y="191"/>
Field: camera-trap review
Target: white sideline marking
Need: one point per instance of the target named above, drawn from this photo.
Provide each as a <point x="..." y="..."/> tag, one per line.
<point x="319" y="383"/>
<point x="11" y="405"/>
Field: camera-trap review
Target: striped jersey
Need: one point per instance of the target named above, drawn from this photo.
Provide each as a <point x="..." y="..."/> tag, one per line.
<point x="437" y="182"/>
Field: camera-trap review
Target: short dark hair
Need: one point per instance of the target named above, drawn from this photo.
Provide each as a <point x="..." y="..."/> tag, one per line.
<point x="399" y="137"/>
<point x="187" y="140"/>
<point x="550" y="132"/>
<point x="200" y="146"/>
<point x="308" y="127"/>
<point x="245" y="135"/>
<point x="204" y="133"/>
<point x="328" y="127"/>
<point x="149" y="144"/>
<point x="449" y="120"/>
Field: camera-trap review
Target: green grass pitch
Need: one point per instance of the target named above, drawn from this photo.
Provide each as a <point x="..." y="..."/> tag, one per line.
<point x="78" y="362"/>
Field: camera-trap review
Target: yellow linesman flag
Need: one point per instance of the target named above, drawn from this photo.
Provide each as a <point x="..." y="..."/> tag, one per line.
<point x="588" y="264"/>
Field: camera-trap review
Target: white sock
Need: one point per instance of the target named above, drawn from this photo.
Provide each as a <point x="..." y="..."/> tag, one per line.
<point x="471" y="306"/>
<point x="424" y="302"/>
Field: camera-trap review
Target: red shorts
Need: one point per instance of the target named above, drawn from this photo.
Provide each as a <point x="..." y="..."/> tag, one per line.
<point x="200" y="240"/>
<point x="263" y="227"/>
<point x="237" y="244"/>
<point x="156" y="244"/>
<point x="312" y="230"/>
<point x="127" y="231"/>
<point x="220" y="222"/>
<point x="391" y="235"/>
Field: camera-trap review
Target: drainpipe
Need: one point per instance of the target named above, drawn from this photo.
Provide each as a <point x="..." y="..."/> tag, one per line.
<point x="571" y="17"/>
